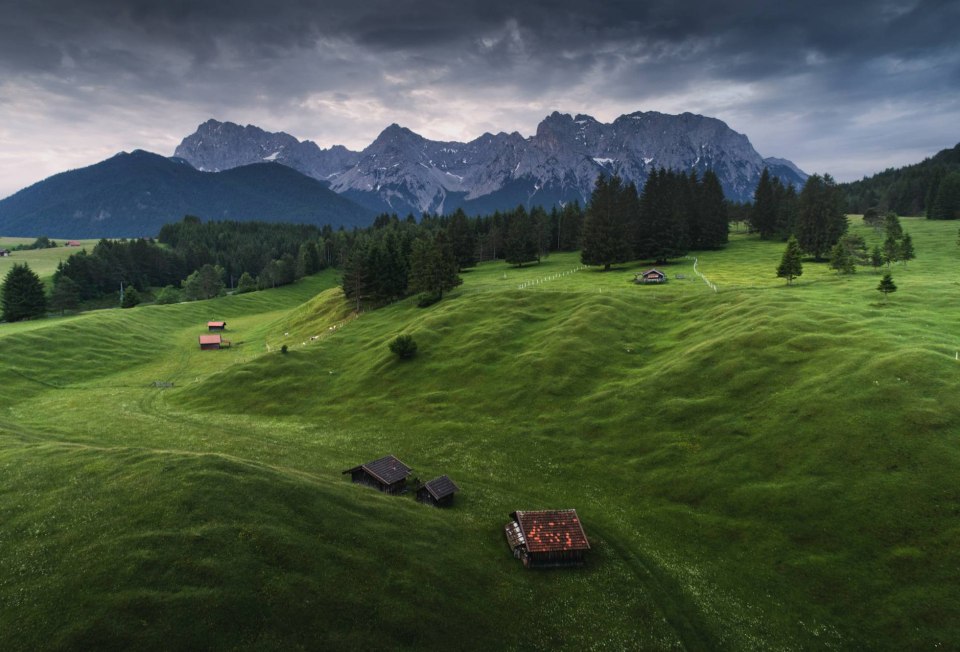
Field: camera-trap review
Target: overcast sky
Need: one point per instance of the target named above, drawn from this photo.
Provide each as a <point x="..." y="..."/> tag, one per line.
<point x="842" y="87"/>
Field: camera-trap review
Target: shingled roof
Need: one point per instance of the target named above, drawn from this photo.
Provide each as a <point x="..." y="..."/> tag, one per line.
<point x="552" y="530"/>
<point x="387" y="469"/>
<point x="441" y="487"/>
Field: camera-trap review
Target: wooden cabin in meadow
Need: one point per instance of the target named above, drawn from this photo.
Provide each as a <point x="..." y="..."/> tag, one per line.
<point x="213" y="342"/>
<point x="547" y="538"/>
<point x="216" y="325"/>
<point x="72" y="243"/>
<point x="388" y="474"/>
<point x="4" y="252"/>
<point x="438" y="492"/>
<point x="650" y="276"/>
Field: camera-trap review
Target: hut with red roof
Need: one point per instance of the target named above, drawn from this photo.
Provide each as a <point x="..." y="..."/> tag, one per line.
<point x="213" y="342"/>
<point x="547" y="538"/>
<point x="216" y="325"/>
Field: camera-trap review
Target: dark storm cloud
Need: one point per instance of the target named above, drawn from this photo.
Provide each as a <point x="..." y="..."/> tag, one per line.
<point x="784" y="72"/>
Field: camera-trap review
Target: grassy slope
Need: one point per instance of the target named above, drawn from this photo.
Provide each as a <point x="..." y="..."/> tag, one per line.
<point x="762" y="467"/>
<point x="42" y="261"/>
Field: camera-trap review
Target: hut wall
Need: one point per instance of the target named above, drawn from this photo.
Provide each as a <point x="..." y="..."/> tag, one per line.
<point x="553" y="559"/>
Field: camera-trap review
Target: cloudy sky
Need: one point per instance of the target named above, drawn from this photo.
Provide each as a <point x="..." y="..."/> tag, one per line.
<point x="842" y="87"/>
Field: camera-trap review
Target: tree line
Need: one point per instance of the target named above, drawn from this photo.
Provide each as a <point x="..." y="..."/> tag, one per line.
<point x="674" y="213"/>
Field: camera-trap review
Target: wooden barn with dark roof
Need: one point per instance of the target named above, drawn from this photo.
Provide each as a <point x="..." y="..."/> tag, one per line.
<point x="438" y="492"/>
<point x="547" y="538"/>
<point x="388" y="474"/>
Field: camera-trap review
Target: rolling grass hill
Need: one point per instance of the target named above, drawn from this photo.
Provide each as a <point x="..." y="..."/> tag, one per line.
<point x="761" y="467"/>
<point x="42" y="261"/>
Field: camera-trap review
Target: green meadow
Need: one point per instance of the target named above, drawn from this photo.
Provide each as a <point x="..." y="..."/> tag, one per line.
<point x="757" y="467"/>
<point x="42" y="261"/>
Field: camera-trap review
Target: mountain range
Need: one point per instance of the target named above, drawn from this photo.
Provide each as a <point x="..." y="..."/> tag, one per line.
<point x="403" y="172"/>
<point x="227" y="171"/>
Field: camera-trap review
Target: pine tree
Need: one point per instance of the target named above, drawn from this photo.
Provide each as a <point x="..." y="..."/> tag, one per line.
<point x="22" y="294"/>
<point x="520" y="245"/>
<point x="892" y="226"/>
<point x="605" y="239"/>
<point x="841" y="259"/>
<point x="906" y="249"/>
<point x="876" y="257"/>
<point x="946" y="206"/>
<point x="887" y="285"/>
<point x="65" y="295"/>
<point x="820" y="218"/>
<point x="356" y="273"/>
<point x="462" y="239"/>
<point x="791" y="265"/>
<point x="891" y="249"/>
<point x="763" y="216"/>
<point x="433" y="268"/>
<point x="716" y="222"/>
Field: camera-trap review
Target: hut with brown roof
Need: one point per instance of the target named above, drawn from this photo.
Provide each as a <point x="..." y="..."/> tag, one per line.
<point x="388" y="474"/>
<point x="438" y="492"/>
<point x="650" y="276"/>
<point x="216" y="325"/>
<point x="547" y="538"/>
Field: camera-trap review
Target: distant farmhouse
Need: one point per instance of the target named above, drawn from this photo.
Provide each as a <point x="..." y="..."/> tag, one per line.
<point x="388" y="474"/>
<point x="650" y="276"/>
<point x="4" y="253"/>
<point x="72" y="243"/>
<point x="438" y="492"/>
<point x="547" y="538"/>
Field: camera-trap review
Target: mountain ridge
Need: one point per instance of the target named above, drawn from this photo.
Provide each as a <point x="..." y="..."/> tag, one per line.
<point x="402" y="171"/>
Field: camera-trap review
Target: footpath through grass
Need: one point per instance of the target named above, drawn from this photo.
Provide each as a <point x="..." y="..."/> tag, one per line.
<point x="759" y="467"/>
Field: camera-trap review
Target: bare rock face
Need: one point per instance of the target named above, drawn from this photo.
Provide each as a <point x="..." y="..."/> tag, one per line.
<point x="403" y="172"/>
<point x="218" y="146"/>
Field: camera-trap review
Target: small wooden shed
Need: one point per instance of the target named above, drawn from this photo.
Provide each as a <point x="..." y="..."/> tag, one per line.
<point x="72" y="243"/>
<point x="438" y="492"/>
<point x="4" y="252"/>
<point x="388" y="474"/>
<point x="547" y="538"/>
<point x="217" y="326"/>
<point x="213" y="342"/>
<point x="651" y="276"/>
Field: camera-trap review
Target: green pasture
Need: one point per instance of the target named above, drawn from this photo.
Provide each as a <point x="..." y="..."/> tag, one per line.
<point x="42" y="261"/>
<point x="757" y="467"/>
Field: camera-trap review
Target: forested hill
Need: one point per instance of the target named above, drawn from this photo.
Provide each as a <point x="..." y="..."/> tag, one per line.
<point x="910" y="190"/>
<point x="134" y="194"/>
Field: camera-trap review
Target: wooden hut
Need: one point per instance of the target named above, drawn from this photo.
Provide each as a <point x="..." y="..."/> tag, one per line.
<point x="217" y="326"/>
<point x="213" y="342"/>
<point x="388" y="474"/>
<point x="72" y="243"/>
<point x="438" y="492"/>
<point x="651" y="276"/>
<point x="4" y="252"/>
<point x="547" y="538"/>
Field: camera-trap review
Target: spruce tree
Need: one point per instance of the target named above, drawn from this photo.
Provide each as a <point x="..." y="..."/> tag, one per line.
<point x="356" y="274"/>
<point x="891" y="249"/>
<point x="887" y="285"/>
<point x="520" y="245"/>
<point x="716" y="222"/>
<point x="841" y="259"/>
<point x="906" y="249"/>
<point x="22" y="295"/>
<point x="791" y="265"/>
<point x="65" y="295"/>
<point x="463" y="240"/>
<point x="605" y="240"/>
<point x="763" y="216"/>
<point x="876" y="257"/>
<point x="946" y="206"/>
<point x="820" y="218"/>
